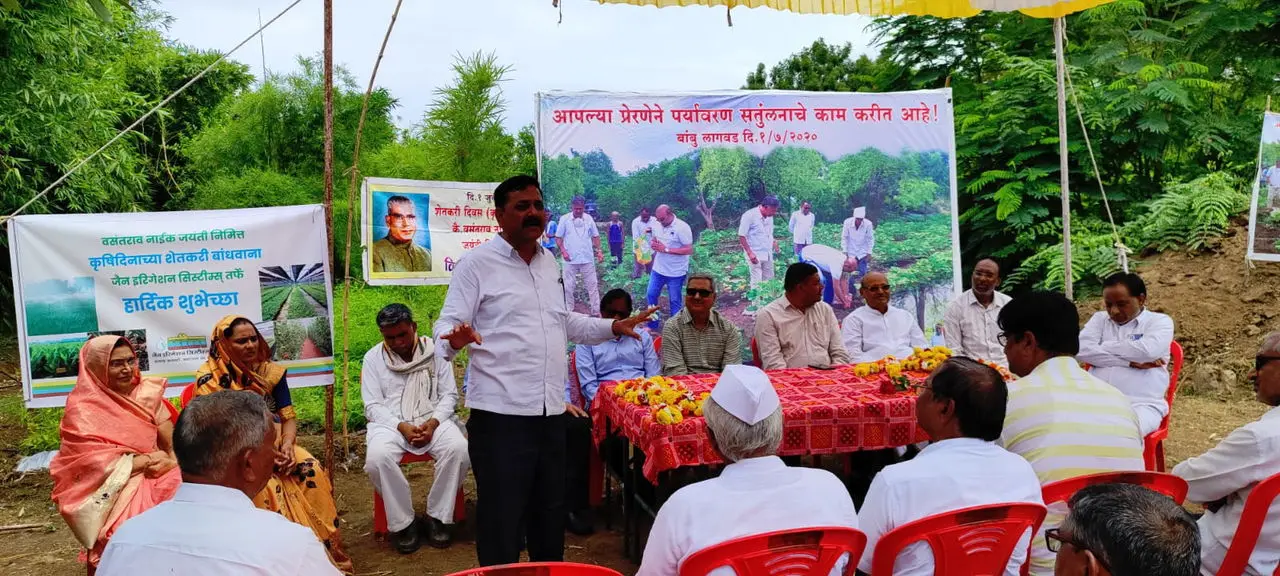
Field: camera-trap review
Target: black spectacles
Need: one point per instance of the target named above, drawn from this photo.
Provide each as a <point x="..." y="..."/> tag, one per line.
<point x="1260" y="361"/>
<point x="1053" y="540"/>
<point x="619" y="314"/>
<point x="1002" y="339"/>
<point x="697" y="292"/>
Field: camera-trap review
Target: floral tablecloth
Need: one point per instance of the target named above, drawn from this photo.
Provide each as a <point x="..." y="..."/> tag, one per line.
<point x="824" y="412"/>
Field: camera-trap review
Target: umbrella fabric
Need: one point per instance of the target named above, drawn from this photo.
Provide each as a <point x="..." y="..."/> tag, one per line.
<point x="940" y="8"/>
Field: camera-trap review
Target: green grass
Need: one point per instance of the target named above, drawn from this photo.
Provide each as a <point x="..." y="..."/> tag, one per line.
<point x="64" y="316"/>
<point x="273" y="300"/>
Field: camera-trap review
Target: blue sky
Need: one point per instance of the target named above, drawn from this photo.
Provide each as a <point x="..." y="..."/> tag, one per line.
<point x="602" y="47"/>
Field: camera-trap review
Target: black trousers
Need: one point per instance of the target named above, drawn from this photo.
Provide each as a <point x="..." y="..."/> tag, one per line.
<point x="519" y="465"/>
<point x="577" y="463"/>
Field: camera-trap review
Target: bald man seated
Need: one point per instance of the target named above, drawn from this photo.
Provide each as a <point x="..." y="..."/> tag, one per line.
<point x="877" y="330"/>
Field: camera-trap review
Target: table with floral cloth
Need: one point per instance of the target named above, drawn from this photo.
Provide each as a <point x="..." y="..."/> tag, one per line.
<point x="824" y="412"/>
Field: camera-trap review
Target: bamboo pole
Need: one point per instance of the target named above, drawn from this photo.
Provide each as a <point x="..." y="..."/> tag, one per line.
<point x="351" y="216"/>
<point x="328" y="202"/>
<point x="1059" y="34"/>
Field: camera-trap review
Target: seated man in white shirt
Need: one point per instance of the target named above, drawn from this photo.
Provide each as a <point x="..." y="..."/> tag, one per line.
<point x="225" y="444"/>
<point x="756" y="492"/>
<point x="1223" y="477"/>
<point x="878" y="329"/>
<point x="409" y="395"/>
<point x="1123" y="529"/>
<point x="970" y="327"/>
<point x="962" y="407"/>
<point x="1128" y="347"/>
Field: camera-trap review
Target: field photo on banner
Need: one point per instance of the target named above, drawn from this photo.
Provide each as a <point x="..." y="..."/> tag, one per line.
<point x="414" y="231"/>
<point x="862" y="183"/>
<point x="1264" y="216"/>
<point x="163" y="280"/>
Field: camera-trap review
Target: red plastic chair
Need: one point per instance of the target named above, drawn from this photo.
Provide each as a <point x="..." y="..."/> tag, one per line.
<point x="657" y="345"/>
<point x="187" y="394"/>
<point x="595" y="467"/>
<point x="755" y="355"/>
<point x="1153" y="444"/>
<point x="806" y="551"/>
<point x="1250" y="526"/>
<point x="380" y="514"/>
<point x="540" y="569"/>
<point x="977" y="540"/>
<point x="1167" y="484"/>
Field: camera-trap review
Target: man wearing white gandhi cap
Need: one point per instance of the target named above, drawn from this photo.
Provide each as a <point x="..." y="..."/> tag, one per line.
<point x="857" y="240"/>
<point x="755" y="493"/>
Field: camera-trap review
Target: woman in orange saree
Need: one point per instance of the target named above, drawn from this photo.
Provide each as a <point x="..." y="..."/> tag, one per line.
<point x="239" y="359"/>
<point x="116" y="459"/>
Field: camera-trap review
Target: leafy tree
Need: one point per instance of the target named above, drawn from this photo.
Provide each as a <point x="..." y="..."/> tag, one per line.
<point x="795" y="175"/>
<point x="463" y="127"/>
<point x="724" y="174"/>
<point x="821" y="67"/>
<point x="597" y="173"/>
<point x="526" y="154"/>
<point x="561" y="180"/>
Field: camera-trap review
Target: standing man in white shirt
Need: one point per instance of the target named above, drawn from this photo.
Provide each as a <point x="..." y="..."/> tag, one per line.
<point x="969" y="325"/>
<point x="755" y="235"/>
<point x="858" y="240"/>
<point x="577" y="236"/>
<point x="801" y="226"/>
<point x="672" y="245"/>
<point x="409" y="394"/>
<point x="1273" y="186"/>
<point x="1128" y="347"/>
<point x="755" y="493"/>
<point x="225" y="444"/>
<point x="1223" y="477"/>
<point x="641" y="234"/>
<point x="877" y="329"/>
<point x="505" y="300"/>
<point x="961" y="406"/>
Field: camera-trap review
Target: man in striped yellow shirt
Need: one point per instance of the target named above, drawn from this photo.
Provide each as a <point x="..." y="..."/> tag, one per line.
<point x="1063" y="420"/>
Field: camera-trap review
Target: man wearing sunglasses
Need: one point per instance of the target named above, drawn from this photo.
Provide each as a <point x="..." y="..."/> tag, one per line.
<point x="878" y="329"/>
<point x="699" y="340"/>
<point x="1125" y="530"/>
<point x="1222" y="477"/>
<point x="618" y="359"/>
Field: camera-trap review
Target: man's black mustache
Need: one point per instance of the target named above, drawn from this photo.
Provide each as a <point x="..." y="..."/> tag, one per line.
<point x="532" y="221"/>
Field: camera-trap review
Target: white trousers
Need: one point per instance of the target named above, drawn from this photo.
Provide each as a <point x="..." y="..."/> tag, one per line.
<point x="759" y="272"/>
<point x="588" y="271"/>
<point x="382" y="463"/>
<point x="1149" y="418"/>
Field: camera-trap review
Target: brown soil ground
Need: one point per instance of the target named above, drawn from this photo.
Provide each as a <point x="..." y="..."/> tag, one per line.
<point x="1221" y="312"/>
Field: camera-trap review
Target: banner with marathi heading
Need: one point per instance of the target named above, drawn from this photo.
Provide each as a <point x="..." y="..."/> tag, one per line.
<point x="414" y="231"/>
<point x="1264" y="211"/>
<point x="163" y="279"/>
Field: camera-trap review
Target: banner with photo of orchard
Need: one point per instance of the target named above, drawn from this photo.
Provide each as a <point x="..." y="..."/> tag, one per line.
<point x="863" y="182"/>
<point x="163" y="280"/>
<point x="1264" y="214"/>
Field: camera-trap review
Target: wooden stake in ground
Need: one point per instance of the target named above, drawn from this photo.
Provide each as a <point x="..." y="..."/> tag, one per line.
<point x="328" y="203"/>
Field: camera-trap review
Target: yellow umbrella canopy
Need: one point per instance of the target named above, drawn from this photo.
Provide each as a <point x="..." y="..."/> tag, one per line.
<point x="939" y="8"/>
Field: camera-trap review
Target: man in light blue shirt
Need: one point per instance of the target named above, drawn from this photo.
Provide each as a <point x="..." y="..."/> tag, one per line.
<point x="616" y="359"/>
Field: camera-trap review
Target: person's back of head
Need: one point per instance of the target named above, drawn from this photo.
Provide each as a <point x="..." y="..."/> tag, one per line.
<point x="1127" y="530"/>
<point x="226" y="438"/>
<point x="1037" y="326"/>
<point x="978" y="397"/>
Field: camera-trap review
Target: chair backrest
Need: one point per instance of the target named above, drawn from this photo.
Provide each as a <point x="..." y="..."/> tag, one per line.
<point x="1250" y="526"/>
<point x="540" y="569"/>
<point x="805" y="551"/>
<point x="575" y="387"/>
<point x="1167" y="484"/>
<point x="657" y="345"/>
<point x="1175" y="369"/>
<point x="755" y="354"/>
<point x="187" y="394"/>
<point x="976" y="540"/>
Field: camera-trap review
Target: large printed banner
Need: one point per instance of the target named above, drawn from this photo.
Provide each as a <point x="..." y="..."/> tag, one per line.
<point x="163" y="279"/>
<point x="415" y="231"/>
<point x="865" y="182"/>
<point x="1264" y="216"/>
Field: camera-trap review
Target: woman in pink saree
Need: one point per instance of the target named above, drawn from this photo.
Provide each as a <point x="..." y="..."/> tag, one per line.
<point x="116" y="459"/>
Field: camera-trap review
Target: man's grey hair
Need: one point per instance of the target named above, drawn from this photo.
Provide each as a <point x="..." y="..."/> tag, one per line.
<point x="1271" y="343"/>
<point x="1134" y="530"/>
<point x="398" y="199"/>
<point x="394" y="314"/>
<point x="702" y="276"/>
<point x="213" y="429"/>
<point x="738" y="440"/>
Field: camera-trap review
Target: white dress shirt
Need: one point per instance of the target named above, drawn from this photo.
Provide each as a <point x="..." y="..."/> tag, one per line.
<point x="677" y="235"/>
<point x="749" y="497"/>
<point x="970" y="328"/>
<point x="639" y="227"/>
<point x="869" y="335"/>
<point x="209" y="530"/>
<point x="518" y="310"/>
<point x="382" y="390"/>
<point x="801" y="227"/>
<point x="577" y="234"/>
<point x="758" y="230"/>
<point x="1230" y="470"/>
<point x="945" y="476"/>
<point x="1109" y="348"/>
<point x="858" y="241"/>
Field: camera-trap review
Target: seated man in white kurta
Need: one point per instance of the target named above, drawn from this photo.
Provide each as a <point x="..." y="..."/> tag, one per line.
<point x="879" y="329"/>
<point x="756" y="492"/>
<point x="409" y="395"/>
